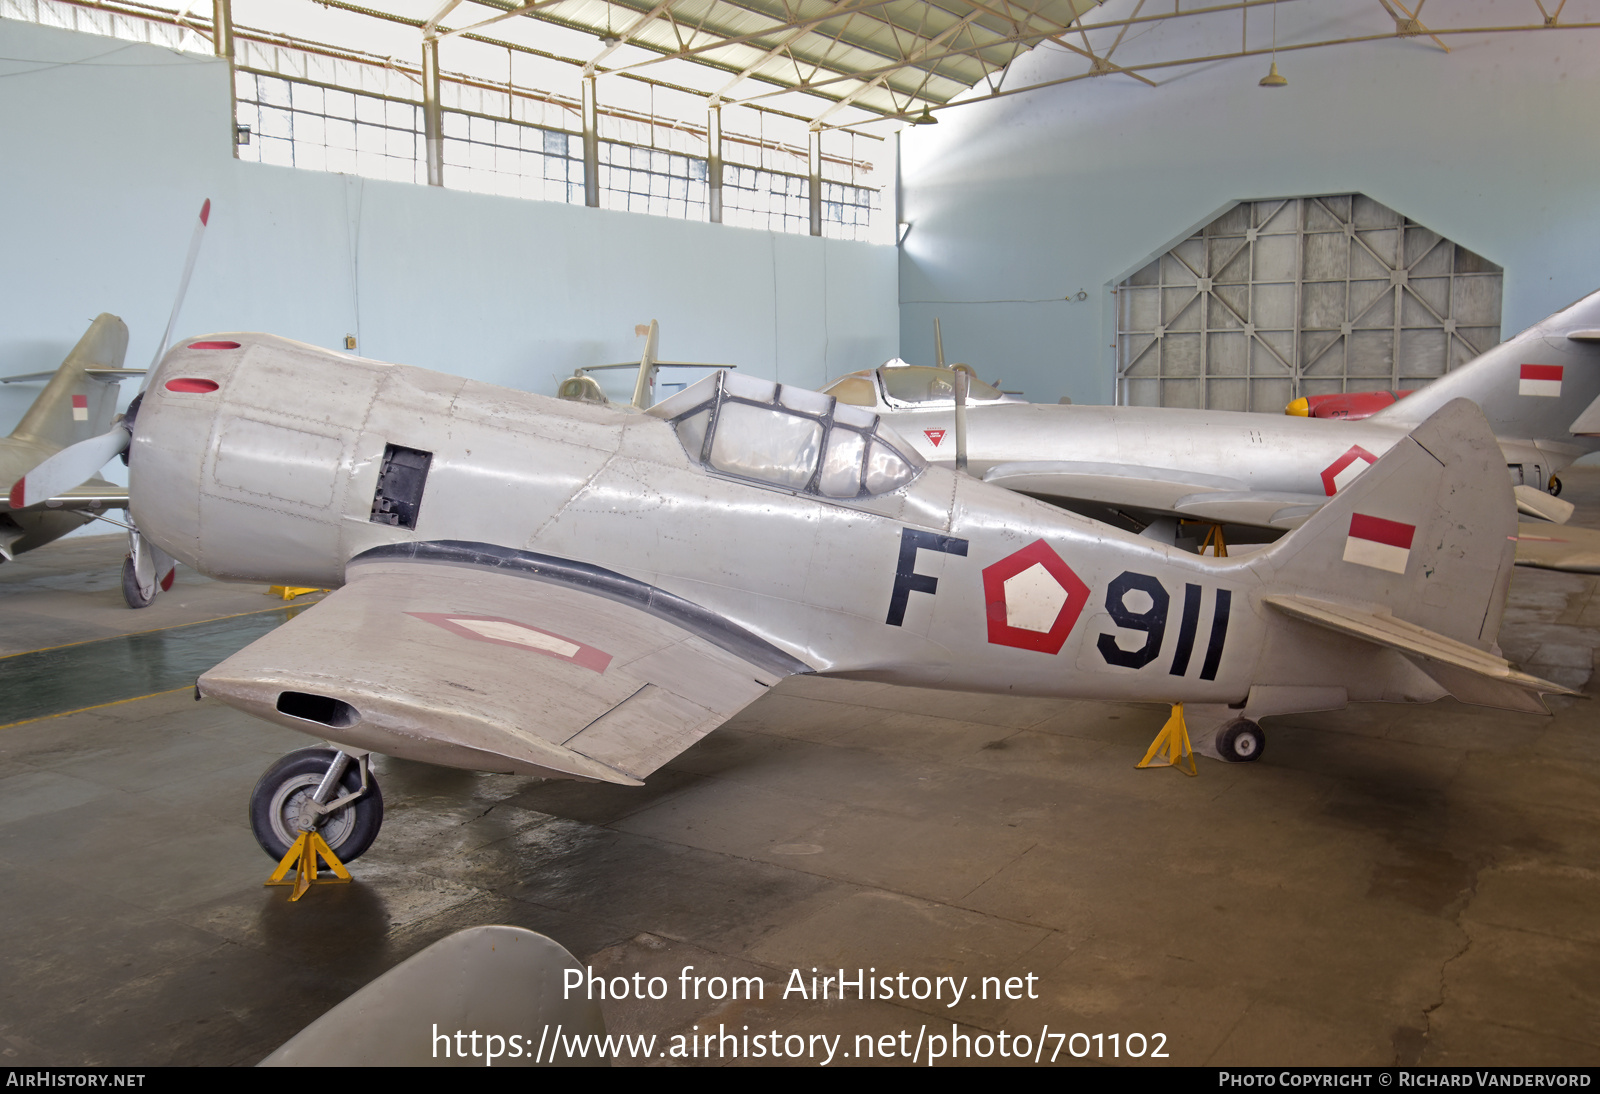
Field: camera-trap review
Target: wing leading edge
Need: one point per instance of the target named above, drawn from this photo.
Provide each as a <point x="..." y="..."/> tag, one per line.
<point x="485" y="664"/>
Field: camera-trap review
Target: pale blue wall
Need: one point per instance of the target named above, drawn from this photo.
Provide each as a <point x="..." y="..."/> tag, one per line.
<point x="1496" y="145"/>
<point x="108" y="149"/>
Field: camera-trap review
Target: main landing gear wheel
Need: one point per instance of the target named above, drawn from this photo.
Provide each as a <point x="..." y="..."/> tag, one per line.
<point x="1554" y="487"/>
<point x="281" y="804"/>
<point x="130" y="586"/>
<point x="1241" y="742"/>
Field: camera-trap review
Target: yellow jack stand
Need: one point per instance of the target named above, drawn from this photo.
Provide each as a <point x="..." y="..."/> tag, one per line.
<point x="302" y="857"/>
<point x="1173" y="743"/>
<point x="289" y="592"/>
<point x="1213" y="540"/>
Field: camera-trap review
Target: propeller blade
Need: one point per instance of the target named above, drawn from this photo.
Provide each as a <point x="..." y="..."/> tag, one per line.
<point x="69" y="467"/>
<point x="183" y="290"/>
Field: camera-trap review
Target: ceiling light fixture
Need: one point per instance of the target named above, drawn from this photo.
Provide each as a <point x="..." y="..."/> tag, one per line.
<point x="925" y="118"/>
<point x="1273" y="79"/>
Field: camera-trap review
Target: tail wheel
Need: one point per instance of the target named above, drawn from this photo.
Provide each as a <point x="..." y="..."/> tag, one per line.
<point x="1241" y="742"/>
<point x="281" y="805"/>
<point x="1554" y="487"/>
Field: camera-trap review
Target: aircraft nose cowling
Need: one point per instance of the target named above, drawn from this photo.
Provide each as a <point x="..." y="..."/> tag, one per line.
<point x="239" y="460"/>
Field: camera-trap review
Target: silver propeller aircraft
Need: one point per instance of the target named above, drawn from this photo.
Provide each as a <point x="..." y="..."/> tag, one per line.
<point x="1538" y="390"/>
<point x="561" y="589"/>
<point x="77" y="403"/>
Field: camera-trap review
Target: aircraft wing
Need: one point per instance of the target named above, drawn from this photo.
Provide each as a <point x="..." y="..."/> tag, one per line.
<point x="92" y="495"/>
<point x="1158" y="489"/>
<point x="493" y="662"/>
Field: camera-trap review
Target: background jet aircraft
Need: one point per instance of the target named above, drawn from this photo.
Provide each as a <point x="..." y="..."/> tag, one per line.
<point x="1267" y="471"/>
<point x="77" y="403"/>
<point x="563" y="589"/>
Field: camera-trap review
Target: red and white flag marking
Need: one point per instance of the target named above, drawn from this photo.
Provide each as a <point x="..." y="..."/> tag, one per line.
<point x="1381" y="544"/>
<point x="1540" y="380"/>
<point x="80" y="408"/>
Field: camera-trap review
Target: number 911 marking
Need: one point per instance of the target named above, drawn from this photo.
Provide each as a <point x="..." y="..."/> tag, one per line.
<point x="1152" y="623"/>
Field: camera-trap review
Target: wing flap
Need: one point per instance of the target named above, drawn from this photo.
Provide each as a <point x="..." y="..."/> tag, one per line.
<point x="1470" y="674"/>
<point x="491" y="671"/>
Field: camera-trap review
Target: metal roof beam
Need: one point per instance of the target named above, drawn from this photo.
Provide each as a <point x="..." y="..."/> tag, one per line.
<point x="623" y="35"/>
<point x="911" y="59"/>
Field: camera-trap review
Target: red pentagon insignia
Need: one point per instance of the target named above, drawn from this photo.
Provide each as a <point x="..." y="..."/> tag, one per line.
<point x="1033" y="599"/>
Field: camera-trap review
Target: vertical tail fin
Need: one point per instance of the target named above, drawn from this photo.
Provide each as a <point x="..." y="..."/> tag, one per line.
<point x="1425" y="534"/>
<point x="74" y="404"/>
<point x="1533" y="386"/>
<point x="1416" y="557"/>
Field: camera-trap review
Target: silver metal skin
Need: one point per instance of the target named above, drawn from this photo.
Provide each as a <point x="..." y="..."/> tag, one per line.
<point x="1263" y="470"/>
<point x="668" y="546"/>
<point x="89" y="375"/>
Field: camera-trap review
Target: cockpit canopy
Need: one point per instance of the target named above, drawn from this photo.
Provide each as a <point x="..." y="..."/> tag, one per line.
<point x="897" y="384"/>
<point x="790" y="437"/>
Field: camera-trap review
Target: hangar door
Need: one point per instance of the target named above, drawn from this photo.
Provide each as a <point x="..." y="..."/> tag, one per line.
<point x="1301" y="296"/>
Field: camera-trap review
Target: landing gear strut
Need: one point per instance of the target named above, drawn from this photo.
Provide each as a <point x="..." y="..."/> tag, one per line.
<point x="1241" y="741"/>
<point x="296" y="793"/>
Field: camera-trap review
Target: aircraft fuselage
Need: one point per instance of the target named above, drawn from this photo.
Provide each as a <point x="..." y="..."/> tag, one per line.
<point x="273" y="475"/>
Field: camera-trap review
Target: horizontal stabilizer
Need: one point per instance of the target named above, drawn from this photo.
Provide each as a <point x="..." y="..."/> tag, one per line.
<point x="1470" y="674"/>
<point x="92" y="495"/>
<point x="1587" y="424"/>
<point x="1573" y="550"/>
<point x="1584" y="335"/>
<point x="1532" y="502"/>
<point x="97" y="373"/>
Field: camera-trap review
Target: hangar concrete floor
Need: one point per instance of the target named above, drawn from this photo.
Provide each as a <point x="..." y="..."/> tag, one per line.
<point x="1385" y="885"/>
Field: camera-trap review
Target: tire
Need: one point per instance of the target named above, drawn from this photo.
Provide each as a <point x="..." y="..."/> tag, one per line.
<point x="130" y="586"/>
<point x="1241" y="742"/>
<point x="1554" y="487"/>
<point x="278" y="805"/>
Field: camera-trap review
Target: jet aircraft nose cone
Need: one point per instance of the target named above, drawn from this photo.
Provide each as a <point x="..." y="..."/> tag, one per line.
<point x="1300" y="408"/>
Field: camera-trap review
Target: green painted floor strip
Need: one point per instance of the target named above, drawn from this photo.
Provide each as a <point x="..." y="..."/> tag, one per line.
<point x="108" y="670"/>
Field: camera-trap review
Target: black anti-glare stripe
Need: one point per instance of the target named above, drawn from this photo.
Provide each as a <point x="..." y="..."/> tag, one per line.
<point x="701" y="622"/>
<point x="1219" y="634"/>
<point x="1187" y="629"/>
